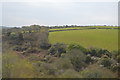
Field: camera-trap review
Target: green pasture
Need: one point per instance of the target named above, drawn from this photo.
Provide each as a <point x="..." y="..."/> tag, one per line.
<point x="83" y="27"/>
<point x="99" y="38"/>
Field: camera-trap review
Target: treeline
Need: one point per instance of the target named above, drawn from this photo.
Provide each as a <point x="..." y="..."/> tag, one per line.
<point x="66" y="26"/>
<point x="73" y="26"/>
<point x="30" y="55"/>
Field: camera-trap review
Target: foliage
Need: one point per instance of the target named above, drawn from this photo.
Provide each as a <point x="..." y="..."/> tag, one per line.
<point x="19" y="48"/>
<point x="95" y="71"/>
<point x="76" y="46"/>
<point x="64" y="64"/>
<point x="70" y="73"/>
<point x="88" y="59"/>
<point x="105" y="61"/>
<point x="45" y="45"/>
<point x="47" y="69"/>
<point x="116" y="55"/>
<point x="118" y="58"/>
<point x="29" y="37"/>
<point x="77" y="59"/>
<point x="115" y="67"/>
<point x="57" y="49"/>
<point x="16" y="39"/>
<point x="98" y="52"/>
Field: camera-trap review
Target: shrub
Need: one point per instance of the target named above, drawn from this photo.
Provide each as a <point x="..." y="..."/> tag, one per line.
<point x="52" y="50"/>
<point x="63" y="64"/>
<point x="47" y="69"/>
<point x="34" y="58"/>
<point x="95" y="71"/>
<point x="116" y="55"/>
<point x="16" y="39"/>
<point x="47" y="58"/>
<point x="88" y="59"/>
<point x="118" y="58"/>
<point x="77" y="59"/>
<point x="45" y="45"/>
<point x="33" y="50"/>
<point x="70" y="73"/>
<point x="105" y="61"/>
<point x="57" y="49"/>
<point x="76" y="46"/>
<point x="116" y="68"/>
<point x="18" y="48"/>
<point x="98" y="52"/>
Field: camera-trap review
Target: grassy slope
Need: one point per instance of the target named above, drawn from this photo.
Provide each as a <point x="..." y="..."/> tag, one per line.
<point x="101" y="38"/>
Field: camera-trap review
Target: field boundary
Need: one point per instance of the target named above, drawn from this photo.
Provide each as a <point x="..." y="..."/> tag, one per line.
<point x="79" y="29"/>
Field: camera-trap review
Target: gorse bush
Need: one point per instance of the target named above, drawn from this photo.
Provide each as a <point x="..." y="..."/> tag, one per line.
<point x="95" y="71"/>
<point x="105" y="61"/>
<point x="70" y="73"/>
<point x="57" y="49"/>
<point x="98" y="52"/>
<point x="45" y="45"/>
<point x="118" y="58"/>
<point x="47" y="69"/>
<point x="77" y="59"/>
<point x="116" y="67"/>
<point x="76" y="46"/>
<point x="116" y="55"/>
<point x="16" y="39"/>
<point x="88" y="59"/>
<point x="64" y="63"/>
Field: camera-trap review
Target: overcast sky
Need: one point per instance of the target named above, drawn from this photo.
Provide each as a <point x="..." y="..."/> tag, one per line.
<point x="51" y="12"/>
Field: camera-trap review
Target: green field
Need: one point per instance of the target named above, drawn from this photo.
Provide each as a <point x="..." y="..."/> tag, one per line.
<point x="99" y="38"/>
<point x="83" y="27"/>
